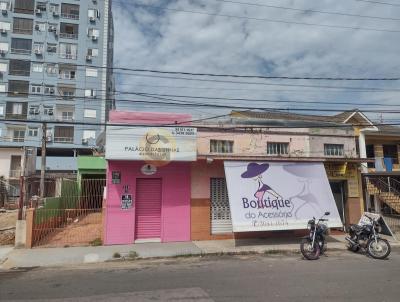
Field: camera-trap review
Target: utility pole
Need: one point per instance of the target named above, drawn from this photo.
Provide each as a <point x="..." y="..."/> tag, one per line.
<point x="43" y="166"/>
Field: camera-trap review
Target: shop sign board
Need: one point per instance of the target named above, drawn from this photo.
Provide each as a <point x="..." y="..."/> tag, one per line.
<point x="267" y="196"/>
<point x="161" y="144"/>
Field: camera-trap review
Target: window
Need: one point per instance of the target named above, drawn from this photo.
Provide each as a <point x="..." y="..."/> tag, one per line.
<point x="18" y="135"/>
<point x="40" y="26"/>
<point x="1" y="110"/>
<point x="94" y="52"/>
<point x="333" y="150"/>
<point x="20" y="68"/>
<point x="93" y="32"/>
<point x="90" y="113"/>
<point x="67" y="116"/>
<point x="69" y="31"/>
<point x="51" y="48"/>
<point x="390" y="151"/>
<point x="277" y="148"/>
<point x="34" y="110"/>
<point x="33" y="131"/>
<point x="3" y="67"/>
<point x="24" y="6"/>
<point x="68" y="51"/>
<point x="91" y="72"/>
<point x="221" y="146"/>
<point x="5" y="26"/>
<point x="36" y="89"/>
<point x="2" y="87"/>
<point x="16" y="88"/>
<point x="38" y="48"/>
<point x="54" y="9"/>
<point x="16" y="110"/>
<point x="90" y="93"/>
<point x="70" y="11"/>
<point x="49" y="90"/>
<point x="3" y="47"/>
<point x="37" y="67"/>
<point x="22" y="26"/>
<point x="41" y="6"/>
<point x="87" y="134"/>
<point x="66" y="92"/>
<point x="48" y="110"/>
<point x="67" y="72"/>
<point x="21" y="46"/>
<point x="63" y="134"/>
<point x="51" y="69"/>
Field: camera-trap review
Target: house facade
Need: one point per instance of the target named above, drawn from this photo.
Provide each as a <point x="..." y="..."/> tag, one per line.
<point x="175" y="183"/>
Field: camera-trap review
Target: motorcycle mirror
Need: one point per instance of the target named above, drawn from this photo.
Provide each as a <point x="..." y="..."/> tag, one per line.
<point x="327" y="213"/>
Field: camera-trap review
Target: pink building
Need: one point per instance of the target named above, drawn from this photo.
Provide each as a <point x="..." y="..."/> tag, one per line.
<point x="147" y="202"/>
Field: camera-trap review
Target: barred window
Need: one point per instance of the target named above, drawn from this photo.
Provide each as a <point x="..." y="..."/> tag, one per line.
<point x="20" y="68"/>
<point x="21" y="46"/>
<point x="23" y="26"/>
<point x="221" y="146"/>
<point x="333" y="149"/>
<point x="277" y="148"/>
<point x="16" y="88"/>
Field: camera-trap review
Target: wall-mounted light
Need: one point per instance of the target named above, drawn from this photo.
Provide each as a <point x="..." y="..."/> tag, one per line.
<point x="209" y="160"/>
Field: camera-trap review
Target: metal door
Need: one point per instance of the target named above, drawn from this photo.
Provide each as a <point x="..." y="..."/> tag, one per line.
<point x="220" y="210"/>
<point x="148" y="209"/>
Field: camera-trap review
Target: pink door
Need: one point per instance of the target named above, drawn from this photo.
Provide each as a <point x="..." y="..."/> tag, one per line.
<point x="148" y="208"/>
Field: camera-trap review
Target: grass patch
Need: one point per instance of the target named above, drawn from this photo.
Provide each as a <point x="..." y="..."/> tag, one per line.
<point x="96" y="242"/>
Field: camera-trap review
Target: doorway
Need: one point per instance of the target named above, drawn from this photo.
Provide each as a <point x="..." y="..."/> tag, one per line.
<point x="338" y="192"/>
<point x="148" y="210"/>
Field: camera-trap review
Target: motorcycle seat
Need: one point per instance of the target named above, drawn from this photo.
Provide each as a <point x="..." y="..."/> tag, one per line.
<point x="355" y="227"/>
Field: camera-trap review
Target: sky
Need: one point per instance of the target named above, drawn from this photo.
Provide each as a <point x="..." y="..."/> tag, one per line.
<point x="188" y="36"/>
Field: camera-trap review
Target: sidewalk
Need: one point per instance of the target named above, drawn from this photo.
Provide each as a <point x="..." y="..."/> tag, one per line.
<point x="80" y="255"/>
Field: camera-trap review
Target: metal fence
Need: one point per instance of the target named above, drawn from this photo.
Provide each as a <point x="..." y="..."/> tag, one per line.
<point x="394" y="222"/>
<point x="69" y="215"/>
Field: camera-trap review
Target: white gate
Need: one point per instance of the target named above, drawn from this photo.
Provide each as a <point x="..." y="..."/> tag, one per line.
<point x="220" y="211"/>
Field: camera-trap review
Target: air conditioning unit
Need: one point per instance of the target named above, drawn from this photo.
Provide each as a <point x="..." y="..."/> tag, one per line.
<point x="3" y="30"/>
<point x="49" y="138"/>
<point x="94" y="38"/>
<point x="38" y="11"/>
<point x="88" y="57"/>
<point x="85" y="141"/>
<point x="34" y="111"/>
<point x="50" y="112"/>
<point x="52" y="91"/>
<point x="92" y="19"/>
<point x="38" y="51"/>
<point x="4" y="12"/>
<point x="3" y="52"/>
<point x="56" y="13"/>
<point x="52" y="28"/>
<point x="37" y="27"/>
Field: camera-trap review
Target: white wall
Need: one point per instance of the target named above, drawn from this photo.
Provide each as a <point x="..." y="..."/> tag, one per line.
<point x="5" y="159"/>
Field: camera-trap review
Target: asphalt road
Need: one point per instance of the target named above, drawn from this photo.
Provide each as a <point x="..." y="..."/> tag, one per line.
<point x="336" y="277"/>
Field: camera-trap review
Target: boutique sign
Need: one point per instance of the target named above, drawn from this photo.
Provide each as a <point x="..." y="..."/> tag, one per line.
<point x="278" y="196"/>
<point x="151" y="144"/>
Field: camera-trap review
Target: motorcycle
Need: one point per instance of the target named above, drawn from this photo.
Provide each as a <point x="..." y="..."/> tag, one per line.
<point x="367" y="237"/>
<point x="313" y="245"/>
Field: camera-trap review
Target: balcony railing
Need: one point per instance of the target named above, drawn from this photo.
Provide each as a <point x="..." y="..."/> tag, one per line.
<point x="63" y="140"/>
<point x="21" y="51"/>
<point x="68" y="36"/>
<point x="66" y="76"/>
<point x="68" y="56"/>
<point x="70" y="16"/>
<point x="11" y="138"/>
<point x="15" y="173"/>
<point x="23" y="31"/>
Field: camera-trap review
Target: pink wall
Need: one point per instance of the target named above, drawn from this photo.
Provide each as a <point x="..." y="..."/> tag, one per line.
<point x="148" y="118"/>
<point x="175" y="212"/>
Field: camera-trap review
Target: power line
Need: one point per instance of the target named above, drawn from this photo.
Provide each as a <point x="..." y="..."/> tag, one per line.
<point x="261" y="19"/>
<point x="379" y="2"/>
<point x="272" y="77"/>
<point x="309" y="10"/>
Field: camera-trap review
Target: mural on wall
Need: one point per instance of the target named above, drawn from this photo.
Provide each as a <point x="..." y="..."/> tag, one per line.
<point x="278" y="196"/>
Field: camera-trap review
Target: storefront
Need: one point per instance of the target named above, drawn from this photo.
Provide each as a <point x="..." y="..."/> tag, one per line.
<point x="236" y="199"/>
<point x="148" y="184"/>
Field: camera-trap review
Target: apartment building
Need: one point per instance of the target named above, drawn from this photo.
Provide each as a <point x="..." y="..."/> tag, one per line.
<point x="53" y="59"/>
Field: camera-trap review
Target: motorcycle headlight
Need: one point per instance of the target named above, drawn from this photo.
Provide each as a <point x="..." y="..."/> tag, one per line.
<point x="309" y="226"/>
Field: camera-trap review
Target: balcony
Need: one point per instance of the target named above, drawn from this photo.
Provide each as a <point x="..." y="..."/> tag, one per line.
<point x="15" y="173"/>
<point x="68" y="36"/>
<point x="63" y="140"/>
<point x="70" y="16"/>
<point x="21" y="51"/>
<point x="71" y="56"/>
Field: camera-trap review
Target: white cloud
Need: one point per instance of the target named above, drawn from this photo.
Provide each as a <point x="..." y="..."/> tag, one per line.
<point x="152" y="38"/>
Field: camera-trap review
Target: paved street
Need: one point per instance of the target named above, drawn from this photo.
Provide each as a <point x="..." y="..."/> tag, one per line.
<point x="340" y="276"/>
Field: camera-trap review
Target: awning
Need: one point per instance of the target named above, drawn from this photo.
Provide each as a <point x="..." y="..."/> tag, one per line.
<point x="266" y="196"/>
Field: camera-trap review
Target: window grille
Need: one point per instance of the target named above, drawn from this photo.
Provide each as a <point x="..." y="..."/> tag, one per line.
<point x="277" y="148"/>
<point x="333" y="149"/>
<point x="220" y="210"/>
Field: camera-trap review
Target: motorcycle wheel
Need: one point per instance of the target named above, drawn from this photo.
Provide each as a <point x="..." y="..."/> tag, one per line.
<point x="308" y="251"/>
<point x="378" y="250"/>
